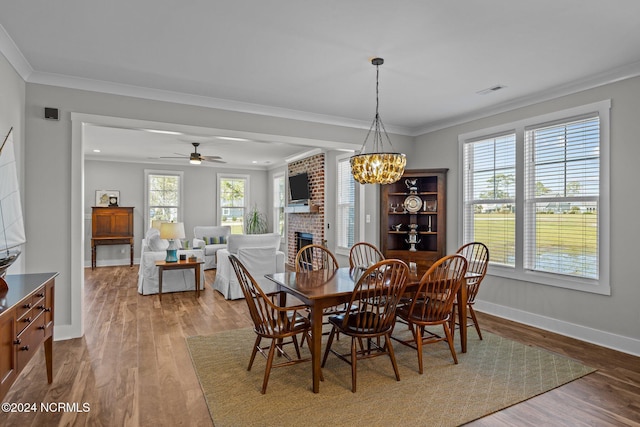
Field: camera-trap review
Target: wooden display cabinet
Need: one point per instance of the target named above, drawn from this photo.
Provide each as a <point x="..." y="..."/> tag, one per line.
<point x="111" y="225"/>
<point x="399" y="210"/>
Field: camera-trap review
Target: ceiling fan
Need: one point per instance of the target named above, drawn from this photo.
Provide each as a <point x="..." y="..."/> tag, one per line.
<point x="197" y="158"/>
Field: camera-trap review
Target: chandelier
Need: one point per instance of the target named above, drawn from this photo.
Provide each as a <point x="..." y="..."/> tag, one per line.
<point x="377" y="166"/>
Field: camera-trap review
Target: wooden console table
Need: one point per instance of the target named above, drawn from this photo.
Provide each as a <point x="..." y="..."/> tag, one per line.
<point x="178" y="265"/>
<point x="26" y="322"/>
<point x="111" y="225"/>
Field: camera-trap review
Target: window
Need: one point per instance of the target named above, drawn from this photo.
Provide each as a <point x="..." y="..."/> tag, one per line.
<point x="233" y="195"/>
<point x="345" y="205"/>
<point x="278" y="204"/>
<point x="163" y="195"/>
<point x="536" y="192"/>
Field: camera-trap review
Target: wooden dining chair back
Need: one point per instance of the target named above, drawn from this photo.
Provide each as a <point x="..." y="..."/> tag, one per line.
<point x="364" y="254"/>
<point x="432" y="304"/>
<point x="272" y="322"/>
<point x="477" y="256"/>
<point x="370" y="314"/>
<point x="315" y="257"/>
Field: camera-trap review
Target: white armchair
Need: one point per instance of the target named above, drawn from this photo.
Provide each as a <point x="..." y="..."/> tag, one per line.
<point x="260" y="253"/>
<point x="173" y="280"/>
<point x="212" y="239"/>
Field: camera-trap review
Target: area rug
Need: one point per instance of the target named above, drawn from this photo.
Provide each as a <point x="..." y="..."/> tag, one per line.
<point x="495" y="373"/>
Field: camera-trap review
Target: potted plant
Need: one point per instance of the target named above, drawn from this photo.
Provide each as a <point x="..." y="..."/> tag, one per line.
<point x="255" y="221"/>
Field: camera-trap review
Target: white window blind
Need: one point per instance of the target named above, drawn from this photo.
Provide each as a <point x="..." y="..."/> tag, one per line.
<point x="490" y="195"/>
<point x="562" y="197"/>
<point x="345" y="204"/>
<point x="536" y="193"/>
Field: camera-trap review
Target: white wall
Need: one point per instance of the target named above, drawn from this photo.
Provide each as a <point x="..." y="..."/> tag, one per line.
<point x="608" y="320"/>
<point x="199" y="198"/>
<point x="12" y="102"/>
<point x="53" y="167"/>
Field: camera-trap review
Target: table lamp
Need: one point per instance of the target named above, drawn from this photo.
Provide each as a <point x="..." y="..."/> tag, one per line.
<point x="156" y="223"/>
<point x="172" y="231"/>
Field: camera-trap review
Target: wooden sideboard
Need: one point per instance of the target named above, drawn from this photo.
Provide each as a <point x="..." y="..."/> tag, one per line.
<point x="111" y="225"/>
<point x="26" y="322"/>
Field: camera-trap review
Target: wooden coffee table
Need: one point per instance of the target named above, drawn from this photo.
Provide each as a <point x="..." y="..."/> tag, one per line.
<point x="178" y="265"/>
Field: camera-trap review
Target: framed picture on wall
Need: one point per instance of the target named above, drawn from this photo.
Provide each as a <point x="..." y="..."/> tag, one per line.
<point x="106" y="198"/>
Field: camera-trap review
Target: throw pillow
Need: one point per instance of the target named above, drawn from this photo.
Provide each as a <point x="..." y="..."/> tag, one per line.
<point x="157" y="244"/>
<point x="186" y="244"/>
<point x="214" y="240"/>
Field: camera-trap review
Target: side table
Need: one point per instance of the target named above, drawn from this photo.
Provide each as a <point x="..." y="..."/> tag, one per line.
<point x="178" y="265"/>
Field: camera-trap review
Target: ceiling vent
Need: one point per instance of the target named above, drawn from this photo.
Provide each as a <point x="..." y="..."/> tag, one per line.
<point x="491" y="89"/>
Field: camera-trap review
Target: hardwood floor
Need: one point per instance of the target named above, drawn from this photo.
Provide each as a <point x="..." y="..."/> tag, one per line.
<point x="133" y="368"/>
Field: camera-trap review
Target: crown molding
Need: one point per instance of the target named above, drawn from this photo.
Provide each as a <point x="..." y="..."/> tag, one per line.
<point x="10" y="51"/>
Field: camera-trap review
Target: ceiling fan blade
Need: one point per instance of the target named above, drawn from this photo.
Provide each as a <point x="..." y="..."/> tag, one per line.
<point x="210" y="157"/>
<point x="180" y="157"/>
<point x="214" y="160"/>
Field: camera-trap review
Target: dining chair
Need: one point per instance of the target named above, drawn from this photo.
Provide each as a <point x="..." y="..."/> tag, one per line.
<point x="317" y="257"/>
<point x="364" y="254"/>
<point x="432" y="304"/>
<point x="477" y="256"/>
<point x="272" y="322"/>
<point x="370" y="314"/>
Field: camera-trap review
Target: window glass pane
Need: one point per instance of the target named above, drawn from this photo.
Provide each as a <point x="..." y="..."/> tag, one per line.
<point x="232" y="203"/>
<point x="345" y="212"/>
<point x="163" y="193"/>
<point x="562" y="225"/>
<point x="490" y="192"/>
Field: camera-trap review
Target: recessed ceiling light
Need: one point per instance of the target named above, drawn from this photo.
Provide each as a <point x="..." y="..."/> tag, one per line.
<point x="96" y="151"/>
<point x="231" y="138"/>
<point x="254" y="161"/>
<point x="166" y="132"/>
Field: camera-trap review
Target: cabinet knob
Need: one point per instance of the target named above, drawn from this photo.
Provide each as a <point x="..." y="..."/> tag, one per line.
<point x="41" y="307"/>
<point x="42" y="327"/>
<point x="47" y="309"/>
<point x="40" y="295"/>
<point x="24" y="348"/>
<point x="27" y="320"/>
<point x="28" y="305"/>
<point x="18" y="341"/>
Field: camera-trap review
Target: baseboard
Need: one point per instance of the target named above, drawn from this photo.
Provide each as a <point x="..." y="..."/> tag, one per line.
<point x="65" y="332"/>
<point x="583" y="333"/>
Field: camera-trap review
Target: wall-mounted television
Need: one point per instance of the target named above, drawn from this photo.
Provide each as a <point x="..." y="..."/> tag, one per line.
<point x="299" y="188"/>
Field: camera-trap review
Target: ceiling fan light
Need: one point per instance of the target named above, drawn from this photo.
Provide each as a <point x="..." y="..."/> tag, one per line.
<point x="195" y="161"/>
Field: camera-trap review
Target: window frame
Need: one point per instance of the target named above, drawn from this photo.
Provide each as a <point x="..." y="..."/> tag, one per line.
<point x="247" y="200"/>
<point x="147" y="205"/>
<point x="601" y="285"/>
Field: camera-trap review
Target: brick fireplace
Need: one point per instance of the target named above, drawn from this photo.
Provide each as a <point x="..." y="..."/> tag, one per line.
<point x="309" y="222"/>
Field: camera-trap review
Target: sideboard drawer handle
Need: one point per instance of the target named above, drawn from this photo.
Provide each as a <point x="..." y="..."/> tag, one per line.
<point x="28" y="305"/>
<point x="27" y="320"/>
<point x="24" y="348"/>
<point x="18" y="341"/>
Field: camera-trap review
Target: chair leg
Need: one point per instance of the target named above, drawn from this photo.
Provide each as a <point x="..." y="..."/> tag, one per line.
<point x="418" y="336"/>
<point x="297" y="347"/>
<point x="452" y="321"/>
<point x="449" y="336"/>
<point x="267" y="369"/>
<point x="328" y="347"/>
<point x="392" y="356"/>
<point x="253" y="353"/>
<point x="354" y="359"/>
<point x="475" y="320"/>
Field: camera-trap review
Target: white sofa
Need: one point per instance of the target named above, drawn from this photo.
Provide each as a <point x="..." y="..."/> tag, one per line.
<point x="173" y="280"/>
<point x="260" y="253"/>
<point x="202" y="236"/>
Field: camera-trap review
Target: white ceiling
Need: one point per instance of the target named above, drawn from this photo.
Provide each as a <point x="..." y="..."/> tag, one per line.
<point x="311" y="60"/>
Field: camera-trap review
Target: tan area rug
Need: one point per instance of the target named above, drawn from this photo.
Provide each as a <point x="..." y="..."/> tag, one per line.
<point x="495" y="373"/>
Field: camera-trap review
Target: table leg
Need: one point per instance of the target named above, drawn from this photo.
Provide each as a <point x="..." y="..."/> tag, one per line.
<point x="131" y="254"/>
<point x="462" y="315"/>
<point x="160" y="271"/>
<point x="197" y="280"/>
<point x="93" y="256"/>
<point x="316" y="338"/>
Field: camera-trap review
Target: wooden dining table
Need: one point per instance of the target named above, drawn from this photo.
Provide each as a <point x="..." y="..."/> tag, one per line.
<point x="322" y="289"/>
